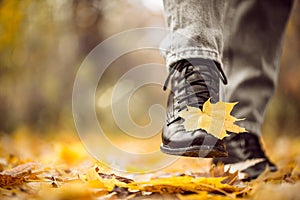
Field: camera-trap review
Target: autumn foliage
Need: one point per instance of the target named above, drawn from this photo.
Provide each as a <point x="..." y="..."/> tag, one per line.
<point x="42" y="43"/>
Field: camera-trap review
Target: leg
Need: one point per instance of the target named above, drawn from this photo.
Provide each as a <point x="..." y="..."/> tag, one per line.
<point x="253" y="44"/>
<point x="195" y="30"/>
<point x="194" y="50"/>
<point x="251" y="57"/>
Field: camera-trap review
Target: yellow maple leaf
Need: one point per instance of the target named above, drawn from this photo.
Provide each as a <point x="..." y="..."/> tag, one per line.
<point x="214" y="118"/>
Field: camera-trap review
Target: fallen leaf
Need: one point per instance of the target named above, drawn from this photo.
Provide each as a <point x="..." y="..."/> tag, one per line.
<point x="203" y="196"/>
<point x="16" y="175"/>
<point x="214" y="118"/>
<point x="183" y="184"/>
<point x="108" y="182"/>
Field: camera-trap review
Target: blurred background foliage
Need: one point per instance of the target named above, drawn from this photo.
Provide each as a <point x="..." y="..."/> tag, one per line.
<point x="42" y="44"/>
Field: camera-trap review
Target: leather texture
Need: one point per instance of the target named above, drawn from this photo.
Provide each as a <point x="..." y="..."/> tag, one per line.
<point x="192" y="83"/>
<point x="245" y="146"/>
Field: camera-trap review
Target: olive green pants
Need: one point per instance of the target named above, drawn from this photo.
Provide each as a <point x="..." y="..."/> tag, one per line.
<point x="243" y="36"/>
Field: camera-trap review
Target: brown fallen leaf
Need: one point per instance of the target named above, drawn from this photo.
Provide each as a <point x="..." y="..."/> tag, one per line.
<point x="111" y="176"/>
<point x="16" y="175"/>
<point x="219" y="171"/>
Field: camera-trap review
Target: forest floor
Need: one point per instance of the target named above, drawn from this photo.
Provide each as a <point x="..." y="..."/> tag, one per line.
<point x="57" y="166"/>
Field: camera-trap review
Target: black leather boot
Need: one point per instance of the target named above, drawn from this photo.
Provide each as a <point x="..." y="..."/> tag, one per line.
<point x="193" y="82"/>
<point x="242" y="147"/>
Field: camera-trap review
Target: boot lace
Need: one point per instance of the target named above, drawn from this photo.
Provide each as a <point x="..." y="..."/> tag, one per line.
<point x="202" y="94"/>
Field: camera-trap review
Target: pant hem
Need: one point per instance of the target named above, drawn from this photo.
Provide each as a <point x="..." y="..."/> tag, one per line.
<point x="180" y="54"/>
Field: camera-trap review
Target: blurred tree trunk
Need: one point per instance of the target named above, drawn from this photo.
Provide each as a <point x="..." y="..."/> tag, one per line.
<point x="87" y="20"/>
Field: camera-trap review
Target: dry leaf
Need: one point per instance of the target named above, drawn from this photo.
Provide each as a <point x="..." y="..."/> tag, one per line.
<point x="16" y="175"/>
<point x="107" y="182"/>
<point x="203" y="196"/>
<point x="215" y="119"/>
<point x="181" y="184"/>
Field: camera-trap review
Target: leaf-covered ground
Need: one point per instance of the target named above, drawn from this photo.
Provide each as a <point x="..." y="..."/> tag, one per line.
<point x="57" y="166"/>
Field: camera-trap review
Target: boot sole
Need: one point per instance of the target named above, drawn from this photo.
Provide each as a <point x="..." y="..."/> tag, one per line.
<point x="203" y="151"/>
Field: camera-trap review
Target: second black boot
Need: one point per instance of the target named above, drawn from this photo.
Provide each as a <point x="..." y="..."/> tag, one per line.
<point x="246" y="146"/>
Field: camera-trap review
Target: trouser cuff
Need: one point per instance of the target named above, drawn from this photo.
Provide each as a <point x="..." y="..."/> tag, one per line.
<point x="180" y="54"/>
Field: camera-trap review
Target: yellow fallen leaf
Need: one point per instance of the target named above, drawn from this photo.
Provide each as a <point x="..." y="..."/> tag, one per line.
<point x="203" y="196"/>
<point x="108" y="183"/>
<point x="182" y="184"/>
<point x="214" y="118"/>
